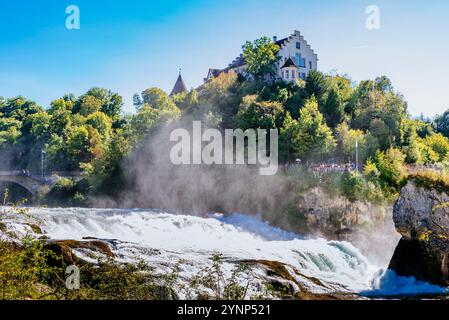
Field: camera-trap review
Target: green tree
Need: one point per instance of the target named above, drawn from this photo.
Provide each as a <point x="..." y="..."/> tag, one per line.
<point x="333" y="108"/>
<point x="391" y="167"/>
<point x="78" y="145"/>
<point x="40" y="123"/>
<point x="312" y="138"/>
<point x="101" y="122"/>
<point x="437" y="148"/>
<point x="316" y="85"/>
<point x="157" y="99"/>
<point x="347" y="139"/>
<point x="111" y="103"/>
<point x="186" y="100"/>
<point x="148" y="119"/>
<point x="258" y="114"/>
<point x="261" y="57"/>
<point x="442" y="123"/>
<point x="411" y="145"/>
<point x="88" y="105"/>
<point x="221" y="96"/>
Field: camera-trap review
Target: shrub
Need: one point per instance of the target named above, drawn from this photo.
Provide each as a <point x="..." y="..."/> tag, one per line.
<point x="431" y="179"/>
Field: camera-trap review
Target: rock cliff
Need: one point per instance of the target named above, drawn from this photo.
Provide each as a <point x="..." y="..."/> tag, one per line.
<point x="335" y="217"/>
<point x="421" y="216"/>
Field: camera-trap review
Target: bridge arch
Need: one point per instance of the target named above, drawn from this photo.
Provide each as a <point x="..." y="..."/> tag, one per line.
<point x="28" y="183"/>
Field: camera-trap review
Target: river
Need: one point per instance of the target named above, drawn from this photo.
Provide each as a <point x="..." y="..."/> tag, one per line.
<point x="163" y="240"/>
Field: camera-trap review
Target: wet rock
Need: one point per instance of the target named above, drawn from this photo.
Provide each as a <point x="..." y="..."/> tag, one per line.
<point x="421" y="216"/>
<point x="64" y="249"/>
<point x="35" y="228"/>
<point x="288" y="283"/>
<point x="335" y="216"/>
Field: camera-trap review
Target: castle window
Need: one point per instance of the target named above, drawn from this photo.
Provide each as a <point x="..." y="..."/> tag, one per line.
<point x="298" y="59"/>
<point x="298" y="45"/>
<point x="287" y="74"/>
<point x="293" y="74"/>
<point x="310" y="64"/>
<point x="300" y="62"/>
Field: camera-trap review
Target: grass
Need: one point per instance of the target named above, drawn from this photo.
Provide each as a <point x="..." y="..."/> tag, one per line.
<point x="431" y="179"/>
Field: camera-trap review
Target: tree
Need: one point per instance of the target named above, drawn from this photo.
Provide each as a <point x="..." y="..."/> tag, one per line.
<point x="148" y="118"/>
<point x="61" y="104"/>
<point x="347" y="139"/>
<point x="137" y="102"/>
<point x="286" y="148"/>
<point x="442" y="123"/>
<point x="333" y="108"/>
<point x="258" y="114"/>
<point x="261" y="57"/>
<point x="311" y="137"/>
<point x="437" y="148"/>
<point x="343" y="86"/>
<point x="380" y="130"/>
<point x="411" y="144"/>
<point x="186" y="100"/>
<point x="221" y="96"/>
<point x="40" y="123"/>
<point x="380" y="112"/>
<point x="101" y="122"/>
<point x="391" y="166"/>
<point x="9" y="131"/>
<point x="111" y="103"/>
<point x="87" y="105"/>
<point x="383" y="84"/>
<point x="78" y="145"/>
<point x="316" y="85"/>
<point x="98" y="99"/>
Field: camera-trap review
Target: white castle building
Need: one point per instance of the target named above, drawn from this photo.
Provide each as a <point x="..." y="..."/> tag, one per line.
<point x="297" y="60"/>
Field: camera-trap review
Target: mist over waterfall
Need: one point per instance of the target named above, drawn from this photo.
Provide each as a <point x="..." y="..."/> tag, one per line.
<point x="163" y="240"/>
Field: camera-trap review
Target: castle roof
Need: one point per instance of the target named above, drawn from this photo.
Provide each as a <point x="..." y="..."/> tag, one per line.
<point x="289" y="63"/>
<point x="281" y="42"/>
<point x="179" y="87"/>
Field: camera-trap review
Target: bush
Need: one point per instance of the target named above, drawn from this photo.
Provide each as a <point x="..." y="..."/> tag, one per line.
<point x="353" y="186"/>
<point x="391" y="167"/>
<point x="431" y="179"/>
<point x="67" y="192"/>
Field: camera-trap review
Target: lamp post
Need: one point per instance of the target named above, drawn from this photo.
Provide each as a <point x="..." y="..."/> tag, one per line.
<point x="42" y="162"/>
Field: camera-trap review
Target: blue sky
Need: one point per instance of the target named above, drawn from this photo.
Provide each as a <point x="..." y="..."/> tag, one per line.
<point x="128" y="46"/>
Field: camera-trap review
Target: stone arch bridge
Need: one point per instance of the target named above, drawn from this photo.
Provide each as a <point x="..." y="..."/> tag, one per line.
<point x="34" y="183"/>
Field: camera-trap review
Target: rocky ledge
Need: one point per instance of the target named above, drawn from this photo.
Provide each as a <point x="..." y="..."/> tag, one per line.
<point x="421" y="216"/>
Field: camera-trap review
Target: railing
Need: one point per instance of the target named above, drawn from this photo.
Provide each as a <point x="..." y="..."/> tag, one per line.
<point x="26" y="173"/>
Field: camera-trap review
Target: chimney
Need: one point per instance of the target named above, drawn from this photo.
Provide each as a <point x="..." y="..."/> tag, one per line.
<point x="275" y="38"/>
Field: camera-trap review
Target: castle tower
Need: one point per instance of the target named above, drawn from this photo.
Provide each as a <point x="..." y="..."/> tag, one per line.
<point x="289" y="71"/>
<point x="179" y="87"/>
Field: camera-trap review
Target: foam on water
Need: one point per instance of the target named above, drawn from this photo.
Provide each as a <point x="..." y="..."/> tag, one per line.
<point x="235" y="236"/>
<point x="388" y="283"/>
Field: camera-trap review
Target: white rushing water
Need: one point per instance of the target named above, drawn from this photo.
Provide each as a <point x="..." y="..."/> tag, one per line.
<point x="164" y="239"/>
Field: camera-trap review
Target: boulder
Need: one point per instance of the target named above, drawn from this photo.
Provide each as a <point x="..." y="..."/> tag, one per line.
<point x="421" y="216"/>
<point x="334" y="216"/>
